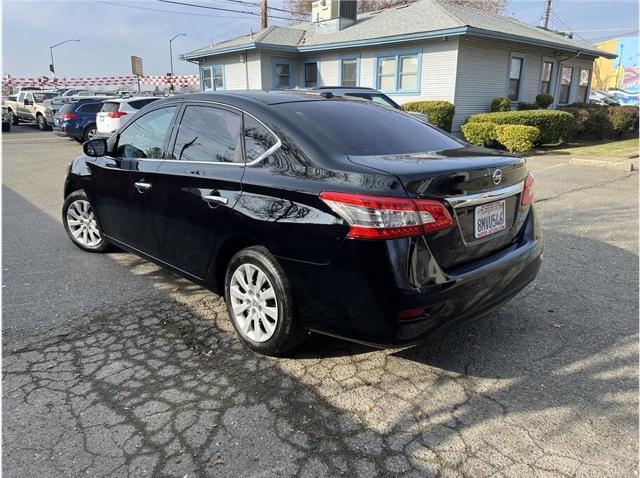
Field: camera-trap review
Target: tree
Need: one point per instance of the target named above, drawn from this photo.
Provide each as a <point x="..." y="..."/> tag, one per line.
<point x="301" y="9"/>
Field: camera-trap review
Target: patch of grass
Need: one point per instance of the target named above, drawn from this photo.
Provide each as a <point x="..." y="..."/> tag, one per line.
<point x="624" y="149"/>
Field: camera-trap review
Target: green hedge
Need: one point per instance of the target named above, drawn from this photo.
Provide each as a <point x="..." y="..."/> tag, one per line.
<point x="500" y="104"/>
<point x="552" y="124"/>
<point x="481" y="134"/>
<point x="601" y="122"/>
<point x="544" y="100"/>
<point x="524" y="106"/>
<point x="517" y="138"/>
<point x="439" y="113"/>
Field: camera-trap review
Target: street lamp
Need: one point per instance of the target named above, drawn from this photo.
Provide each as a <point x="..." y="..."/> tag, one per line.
<point x="171" y="52"/>
<point x="52" y="67"/>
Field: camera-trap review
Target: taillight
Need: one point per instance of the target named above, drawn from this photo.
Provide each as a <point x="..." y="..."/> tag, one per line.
<point x="116" y="114"/>
<point x="527" y="191"/>
<point x="68" y="116"/>
<point x="378" y="217"/>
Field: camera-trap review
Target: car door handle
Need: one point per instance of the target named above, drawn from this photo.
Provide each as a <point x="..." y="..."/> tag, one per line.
<point x="142" y="186"/>
<point x="214" y="198"/>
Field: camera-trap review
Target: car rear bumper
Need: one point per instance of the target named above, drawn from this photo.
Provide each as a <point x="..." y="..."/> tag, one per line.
<point x="359" y="295"/>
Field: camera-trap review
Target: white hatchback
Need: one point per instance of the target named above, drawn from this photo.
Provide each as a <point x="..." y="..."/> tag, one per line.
<point x="114" y="113"/>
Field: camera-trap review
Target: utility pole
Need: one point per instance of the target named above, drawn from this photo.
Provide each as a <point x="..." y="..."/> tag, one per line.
<point x="547" y="14"/>
<point x="171" y="56"/>
<point x="263" y="14"/>
<point x="52" y="67"/>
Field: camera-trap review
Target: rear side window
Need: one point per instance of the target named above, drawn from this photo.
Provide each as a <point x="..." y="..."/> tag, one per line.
<point x="90" y="107"/>
<point x="364" y="129"/>
<point x="145" y="137"/>
<point x="109" y="106"/>
<point x="209" y="134"/>
<point x="257" y="138"/>
<point x="137" y="104"/>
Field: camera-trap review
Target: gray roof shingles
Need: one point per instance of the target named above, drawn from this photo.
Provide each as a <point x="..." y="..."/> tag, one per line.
<point x="420" y="17"/>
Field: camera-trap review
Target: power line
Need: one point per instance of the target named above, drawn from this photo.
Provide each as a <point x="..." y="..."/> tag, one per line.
<point x="173" y="12"/>
<point x="245" y="12"/>
<point x="254" y="4"/>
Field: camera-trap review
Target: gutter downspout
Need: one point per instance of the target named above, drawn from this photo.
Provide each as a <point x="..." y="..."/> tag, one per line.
<point x="246" y="70"/>
<point x="559" y="76"/>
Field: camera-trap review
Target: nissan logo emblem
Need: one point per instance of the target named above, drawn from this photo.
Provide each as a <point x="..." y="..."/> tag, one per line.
<point x="497" y="177"/>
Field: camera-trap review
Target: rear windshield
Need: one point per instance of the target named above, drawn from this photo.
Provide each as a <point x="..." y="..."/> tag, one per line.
<point x="40" y="97"/>
<point x="364" y="129"/>
<point x="67" y="108"/>
<point x="109" y="106"/>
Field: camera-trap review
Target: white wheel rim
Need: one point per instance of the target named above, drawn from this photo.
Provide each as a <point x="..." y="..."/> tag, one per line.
<point x="82" y="223"/>
<point x="254" y="303"/>
<point x="91" y="134"/>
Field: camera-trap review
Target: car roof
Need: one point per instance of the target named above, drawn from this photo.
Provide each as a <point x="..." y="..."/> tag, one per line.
<point x="132" y="98"/>
<point x="348" y="88"/>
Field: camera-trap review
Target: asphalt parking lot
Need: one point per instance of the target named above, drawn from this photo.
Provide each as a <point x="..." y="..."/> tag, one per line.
<point x="113" y="367"/>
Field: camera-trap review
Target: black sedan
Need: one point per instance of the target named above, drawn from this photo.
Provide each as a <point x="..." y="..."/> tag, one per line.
<point x="310" y="213"/>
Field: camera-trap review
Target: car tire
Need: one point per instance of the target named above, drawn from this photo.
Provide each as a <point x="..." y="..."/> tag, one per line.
<point x="80" y="223"/>
<point x="260" y="304"/>
<point x="42" y="123"/>
<point x="13" y="118"/>
<point x="6" y="127"/>
<point x="89" y="133"/>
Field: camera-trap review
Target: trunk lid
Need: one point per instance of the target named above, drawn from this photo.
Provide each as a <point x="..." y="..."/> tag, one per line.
<point x="464" y="179"/>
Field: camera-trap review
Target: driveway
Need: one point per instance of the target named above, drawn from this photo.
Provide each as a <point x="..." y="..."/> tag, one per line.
<point x="113" y="367"/>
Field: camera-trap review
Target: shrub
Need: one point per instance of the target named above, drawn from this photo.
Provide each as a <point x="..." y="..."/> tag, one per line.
<point x="552" y="124"/>
<point x="523" y="106"/>
<point x="623" y="118"/>
<point x="481" y="134"/>
<point x="439" y="113"/>
<point x="544" y="100"/>
<point x="517" y="138"/>
<point x="601" y="122"/>
<point x="500" y="104"/>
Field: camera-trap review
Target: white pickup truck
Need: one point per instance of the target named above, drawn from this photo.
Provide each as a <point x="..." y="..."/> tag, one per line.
<point x="28" y="106"/>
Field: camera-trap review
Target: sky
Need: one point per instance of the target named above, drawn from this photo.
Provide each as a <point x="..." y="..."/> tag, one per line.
<point x="110" y="31"/>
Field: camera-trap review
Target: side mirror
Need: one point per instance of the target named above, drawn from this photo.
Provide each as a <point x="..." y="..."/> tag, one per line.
<point x="95" y="147"/>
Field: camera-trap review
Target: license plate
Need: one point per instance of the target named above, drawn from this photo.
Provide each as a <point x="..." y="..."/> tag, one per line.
<point x="489" y="219"/>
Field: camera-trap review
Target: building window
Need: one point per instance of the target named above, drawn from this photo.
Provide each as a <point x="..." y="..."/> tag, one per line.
<point x="311" y="74"/>
<point x="547" y="72"/>
<point x="583" y="86"/>
<point x="399" y="73"/>
<point x="213" y="78"/>
<point x="515" y="74"/>
<point x="283" y="73"/>
<point x="565" y="84"/>
<point x="349" y="72"/>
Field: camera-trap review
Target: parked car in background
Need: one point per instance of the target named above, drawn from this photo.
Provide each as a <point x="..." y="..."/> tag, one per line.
<point x="72" y="94"/>
<point x="6" y="120"/>
<point x="115" y="112"/>
<point x="368" y="94"/>
<point x="77" y="119"/>
<point x="30" y="106"/>
<point x="311" y="213"/>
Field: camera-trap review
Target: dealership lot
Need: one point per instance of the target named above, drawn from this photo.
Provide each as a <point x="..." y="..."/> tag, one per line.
<point x="114" y="367"/>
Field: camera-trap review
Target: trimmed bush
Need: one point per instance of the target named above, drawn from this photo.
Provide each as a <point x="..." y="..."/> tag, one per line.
<point x="517" y="138"/>
<point x="624" y="118"/>
<point x="544" y="100"/>
<point x="523" y="106"/>
<point x="500" y="104"/>
<point x="601" y="122"/>
<point x="439" y="113"/>
<point x="480" y="134"/>
<point x="552" y="124"/>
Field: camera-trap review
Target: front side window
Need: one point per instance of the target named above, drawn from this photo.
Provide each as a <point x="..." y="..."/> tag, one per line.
<point x="583" y="86"/>
<point x="145" y="137"/>
<point x="547" y="71"/>
<point x="209" y="134"/>
<point x="311" y="74"/>
<point x="515" y="72"/>
<point x="349" y="72"/>
<point x="565" y="84"/>
<point x="283" y="75"/>
<point x="257" y="138"/>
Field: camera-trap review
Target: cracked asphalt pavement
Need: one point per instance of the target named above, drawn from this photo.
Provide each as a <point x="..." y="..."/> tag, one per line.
<point x="114" y="367"/>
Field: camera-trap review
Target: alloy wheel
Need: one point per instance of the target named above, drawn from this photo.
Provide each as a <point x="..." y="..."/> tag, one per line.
<point x="82" y="223"/>
<point x="254" y="303"/>
<point x="91" y="134"/>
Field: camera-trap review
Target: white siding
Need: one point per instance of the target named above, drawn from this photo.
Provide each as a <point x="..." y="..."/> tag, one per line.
<point x="238" y="75"/>
<point x="482" y="74"/>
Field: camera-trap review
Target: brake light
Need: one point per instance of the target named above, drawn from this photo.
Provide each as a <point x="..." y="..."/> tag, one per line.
<point x="116" y="114"/>
<point x="68" y="116"/>
<point x="378" y="217"/>
<point x="527" y="191"/>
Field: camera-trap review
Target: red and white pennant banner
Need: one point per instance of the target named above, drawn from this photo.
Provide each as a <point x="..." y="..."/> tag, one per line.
<point x="161" y="80"/>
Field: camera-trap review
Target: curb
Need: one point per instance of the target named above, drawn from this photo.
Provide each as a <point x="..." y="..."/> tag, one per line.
<point x="620" y="165"/>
